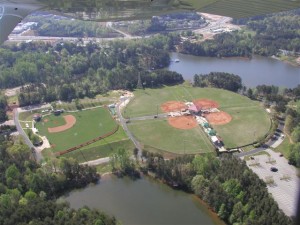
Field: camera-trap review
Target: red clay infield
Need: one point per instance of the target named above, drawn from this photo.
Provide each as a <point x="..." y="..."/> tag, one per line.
<point x="218" y="118"/>
<point x="183" y="122"/>
<point x="172" y="106"/>
<point x="205" y="103"/>
<point x="70" y="121"/>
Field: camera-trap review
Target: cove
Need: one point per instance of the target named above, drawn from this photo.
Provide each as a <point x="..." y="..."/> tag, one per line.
<point x="257" y="71"/>
<point x="143" y="202"/>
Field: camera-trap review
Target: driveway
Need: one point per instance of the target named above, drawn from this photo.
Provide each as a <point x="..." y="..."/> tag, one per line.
<point x="286" y="182"/>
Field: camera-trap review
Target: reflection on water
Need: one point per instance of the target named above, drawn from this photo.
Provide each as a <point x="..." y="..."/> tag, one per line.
<point x="259" y="70"/>
<point x="144" y="201"/>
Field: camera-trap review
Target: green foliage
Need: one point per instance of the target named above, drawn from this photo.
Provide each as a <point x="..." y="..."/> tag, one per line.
<point x="226" y="184"/>
<point x="28" y="190"/>
<point x="69" y="71"/>
<point x="294" y="156"/>
<point x="226" y="81"/>
<point x="122" y="164"/>
<point x="64" y="27"/>
<point x="271" y="33"/>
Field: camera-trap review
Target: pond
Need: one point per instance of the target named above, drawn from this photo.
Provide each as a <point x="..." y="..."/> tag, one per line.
<point x="144" y="201"/>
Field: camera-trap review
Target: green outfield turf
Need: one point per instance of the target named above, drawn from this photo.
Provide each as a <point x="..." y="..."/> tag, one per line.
<point x="159" y="134"/>
<point x="89" y="125"/>
<point x="103" y="148"/>
<point x="249" y="120"/>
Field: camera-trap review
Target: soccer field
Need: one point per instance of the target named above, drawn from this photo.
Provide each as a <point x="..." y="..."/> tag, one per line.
<point x="249" y="121"/>
<point x="89" y="125"/>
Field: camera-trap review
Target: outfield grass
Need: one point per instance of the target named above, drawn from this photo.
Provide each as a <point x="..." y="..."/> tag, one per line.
<point x="159" y="134"/>
<point x="100" y="151"/>
<point x="89" y="125"/>
<point x="103" y="148"/>
<point x="249" y="122"/>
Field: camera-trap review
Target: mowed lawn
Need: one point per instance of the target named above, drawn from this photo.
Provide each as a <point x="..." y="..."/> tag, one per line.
<point x="104" y="147"/>
<point x="89" y="125"/>
<point x="159" y="134"/>
<point x="249" y="120"/>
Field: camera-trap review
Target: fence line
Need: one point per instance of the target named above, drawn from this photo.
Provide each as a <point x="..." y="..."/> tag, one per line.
<point x="88" y="142"/>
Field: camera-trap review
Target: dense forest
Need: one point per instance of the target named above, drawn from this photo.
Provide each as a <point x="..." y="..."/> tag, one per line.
<point x="162" y="23"/>
<point x="263" y="35"/>
<point x="3" y="107"/>
<point x="58" y="26"/>
<point x="222" y="80"/>
<point x="28" y="191"/>
<point x="68" y="70"/>
<point x="230" y="188"/>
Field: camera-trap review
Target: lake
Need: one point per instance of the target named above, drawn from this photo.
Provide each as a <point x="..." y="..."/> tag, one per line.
<point x="259" y="70"/>
<point x="143" y="202"/>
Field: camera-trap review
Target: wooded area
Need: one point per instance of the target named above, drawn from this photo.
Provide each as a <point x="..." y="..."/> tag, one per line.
<point x="28" y="191"/>
<point x="230" y="188"/>
<point x="263" y="35"/>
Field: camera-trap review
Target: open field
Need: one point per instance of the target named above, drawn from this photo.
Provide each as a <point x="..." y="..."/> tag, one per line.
<point x="241" y="9"/>
<point x="89" y="125"/>
<point x="249" y="121"/>
<point x="103" y="148"/>
<point x="159" y="134"/>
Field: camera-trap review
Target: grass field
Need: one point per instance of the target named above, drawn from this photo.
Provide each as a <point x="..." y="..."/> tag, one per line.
<point x="99" y="149"/>
<point x="249" y="120"/>
<point x="103" y="148"/>
<point x="89" y="124"/>
<point x="159" y="134"/>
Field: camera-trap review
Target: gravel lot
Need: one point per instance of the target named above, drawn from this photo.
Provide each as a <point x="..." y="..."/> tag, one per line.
<point x="285" y="188"/>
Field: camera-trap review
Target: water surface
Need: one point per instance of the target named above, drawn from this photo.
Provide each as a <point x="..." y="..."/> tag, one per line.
<point x="143" y="202"/>
<point x="259" y="70"/>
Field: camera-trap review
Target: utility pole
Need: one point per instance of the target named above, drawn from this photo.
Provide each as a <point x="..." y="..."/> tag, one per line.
<point x="139" y="84"/>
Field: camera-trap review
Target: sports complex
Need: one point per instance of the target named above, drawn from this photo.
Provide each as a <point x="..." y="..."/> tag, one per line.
<point x="172" y="120"/>
<point x="84" y="134"/>
<point x="232" y="118"/>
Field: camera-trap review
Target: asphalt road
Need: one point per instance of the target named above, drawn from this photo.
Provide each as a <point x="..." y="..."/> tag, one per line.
<point x="129" y="134"/>
<point x="267" y="144"/>
<point x="37" y="155"/>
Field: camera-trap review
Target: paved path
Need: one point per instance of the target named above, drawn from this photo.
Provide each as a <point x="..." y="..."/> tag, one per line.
<point x="124" y="125"/>
<point x="96" y="162"/>
<point x="37" y="155"/>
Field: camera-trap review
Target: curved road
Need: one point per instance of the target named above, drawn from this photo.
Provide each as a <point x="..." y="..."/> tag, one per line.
<point x="37" y="155"/>
<point x="267" y="144"/>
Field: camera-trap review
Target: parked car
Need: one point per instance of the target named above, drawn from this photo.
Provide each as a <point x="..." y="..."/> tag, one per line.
<point x="273" y="169"/>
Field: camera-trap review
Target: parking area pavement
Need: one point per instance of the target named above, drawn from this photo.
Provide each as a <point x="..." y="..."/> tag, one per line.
<point x="282" y="184"/>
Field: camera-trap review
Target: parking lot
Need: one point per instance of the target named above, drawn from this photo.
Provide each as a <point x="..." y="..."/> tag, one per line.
<point x="283" y="184"/>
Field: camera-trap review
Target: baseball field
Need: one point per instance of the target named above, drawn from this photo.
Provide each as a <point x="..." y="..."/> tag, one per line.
<point x="71" y="129"/>
<point x="248" y="120"/>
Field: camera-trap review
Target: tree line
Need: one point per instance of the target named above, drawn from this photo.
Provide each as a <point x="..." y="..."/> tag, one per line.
<point x="264" y="35"/>
<point x="230" y="188"/>
<point x="28" y="191"/>
<point x="58" y="26"/>
<point x="68" y="71"/>
<point x="3" y="108"/>
<point x="222" y="80"/>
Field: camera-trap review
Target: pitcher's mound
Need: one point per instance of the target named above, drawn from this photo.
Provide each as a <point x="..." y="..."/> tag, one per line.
<point x="172" y="106"/>
<point x="183" y="122"/>
<point x="218" y="118"/>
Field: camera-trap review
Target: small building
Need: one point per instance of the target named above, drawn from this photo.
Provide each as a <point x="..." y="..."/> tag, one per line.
<point x="194" y="109"/>
<point x="37" y="117"/>
<point x="58" y="112"/>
